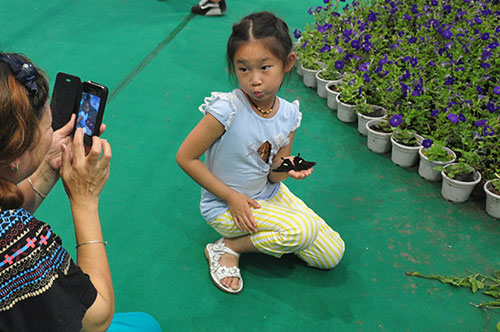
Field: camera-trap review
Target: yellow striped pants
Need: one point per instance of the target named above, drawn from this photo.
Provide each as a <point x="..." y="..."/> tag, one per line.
<point x="287" y="225"/>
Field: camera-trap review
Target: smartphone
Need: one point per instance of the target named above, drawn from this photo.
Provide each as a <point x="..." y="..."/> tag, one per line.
<point x="91" y="109"/>
<point x="66" y="96"/>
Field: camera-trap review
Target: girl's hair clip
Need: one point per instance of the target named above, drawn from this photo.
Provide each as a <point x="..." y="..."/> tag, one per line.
<point x="25" y="72"/>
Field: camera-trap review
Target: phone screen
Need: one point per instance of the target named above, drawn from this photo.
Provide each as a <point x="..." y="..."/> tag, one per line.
<point x="87" y="113"/>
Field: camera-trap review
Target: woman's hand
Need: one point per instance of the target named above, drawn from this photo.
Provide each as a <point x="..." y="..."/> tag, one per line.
<point x="62" y="136"/>
<point x="84" y="175"/>
<point x="239" y="205"/>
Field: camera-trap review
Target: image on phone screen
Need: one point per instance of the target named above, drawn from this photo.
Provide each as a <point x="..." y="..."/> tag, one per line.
<point x="87" y="114"/>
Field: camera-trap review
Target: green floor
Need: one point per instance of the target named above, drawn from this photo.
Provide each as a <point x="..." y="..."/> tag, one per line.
<point x="159" y="62"/>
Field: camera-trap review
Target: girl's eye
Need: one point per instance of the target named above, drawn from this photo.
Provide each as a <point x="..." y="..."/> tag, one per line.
<point x="243" y="70"/>
<point x="266" y="67"/>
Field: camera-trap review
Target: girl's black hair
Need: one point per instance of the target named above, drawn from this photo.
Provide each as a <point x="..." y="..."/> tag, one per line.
<point x="260" y="25"/>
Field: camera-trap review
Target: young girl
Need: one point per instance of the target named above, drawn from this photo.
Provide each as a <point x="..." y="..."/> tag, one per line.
<point x="244" y="135"/>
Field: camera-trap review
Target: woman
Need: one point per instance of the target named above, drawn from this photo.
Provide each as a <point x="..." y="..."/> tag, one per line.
<point x="41" y="289"/>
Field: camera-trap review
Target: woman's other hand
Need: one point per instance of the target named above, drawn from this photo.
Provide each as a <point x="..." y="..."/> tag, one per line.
<point x="84" y="175"/>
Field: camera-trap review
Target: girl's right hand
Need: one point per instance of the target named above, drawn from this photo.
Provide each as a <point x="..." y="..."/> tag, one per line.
<point x="239" y="205"/>
<point x="84" y="175"/>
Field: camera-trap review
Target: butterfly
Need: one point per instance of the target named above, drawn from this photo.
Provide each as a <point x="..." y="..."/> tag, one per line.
<point x="299" y="164"/>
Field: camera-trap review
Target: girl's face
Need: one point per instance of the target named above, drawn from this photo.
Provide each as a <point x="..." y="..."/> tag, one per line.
<point x="260" y="72"/>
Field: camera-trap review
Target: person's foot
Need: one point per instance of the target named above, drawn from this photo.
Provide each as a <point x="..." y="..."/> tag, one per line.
<point x="229" y="261"/>
<point x="223" y="264"/>
<point x="209" y="8"/>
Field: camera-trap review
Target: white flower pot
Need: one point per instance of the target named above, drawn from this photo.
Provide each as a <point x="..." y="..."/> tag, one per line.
<point x="377" y="142"/>
<point x="363" y="120"/>
<point x="321" y="84"/>
<point x="492" y="202"/>
<point x="403" y="155"/>
<point x="331" y="96"/>
<point x="346" y="112"/>
<point x="309" y="76"/>
<point x="426" y="167"/>
<point x="458" y="191"/>
<point x="299" y="70"/>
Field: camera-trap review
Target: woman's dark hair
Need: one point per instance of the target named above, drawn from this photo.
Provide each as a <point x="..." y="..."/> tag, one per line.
<point x="261" y="26"/>
<point x="20" y="113"/>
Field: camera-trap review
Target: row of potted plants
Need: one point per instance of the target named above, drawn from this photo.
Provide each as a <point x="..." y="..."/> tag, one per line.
<point x="431" y="67"/>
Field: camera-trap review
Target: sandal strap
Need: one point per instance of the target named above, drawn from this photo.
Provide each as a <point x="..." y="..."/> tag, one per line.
<point x="220" y="246"/>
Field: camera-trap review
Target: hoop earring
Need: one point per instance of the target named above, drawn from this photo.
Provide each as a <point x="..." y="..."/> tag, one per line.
<point x="15" y="169"/>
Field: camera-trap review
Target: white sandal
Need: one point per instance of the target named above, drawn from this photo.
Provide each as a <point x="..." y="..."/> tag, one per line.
<point x="213" y="252"/>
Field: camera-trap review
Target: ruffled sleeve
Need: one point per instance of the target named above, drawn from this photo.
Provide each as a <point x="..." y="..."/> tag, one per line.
<point x="298" y="115"/>
<point x="220" y="105"/>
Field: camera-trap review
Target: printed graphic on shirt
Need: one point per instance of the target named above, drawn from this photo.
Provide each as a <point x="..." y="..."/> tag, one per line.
<point x="265" y="151"/>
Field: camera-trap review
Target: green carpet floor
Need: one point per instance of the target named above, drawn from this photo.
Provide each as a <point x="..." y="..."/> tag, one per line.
<point x="159" y="62"/>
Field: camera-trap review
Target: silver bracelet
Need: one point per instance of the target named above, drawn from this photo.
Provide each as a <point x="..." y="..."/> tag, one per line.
<point x="36" y="190"/>
<point x="91" y="242"/>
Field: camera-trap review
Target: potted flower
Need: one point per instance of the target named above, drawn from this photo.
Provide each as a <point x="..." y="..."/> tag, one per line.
<point x="405" y="143"/>
<point x="367" y="112"/>
<point x="333" y="88"/>
<point x="379" y="134"/>
<point x="492" y="190"/>
<point x="325" y="76"/>
<point x="349" y="97"/>
<point x="459" y="179"/>
<point x="432" y="155"/>
<point x="308" y="55"/>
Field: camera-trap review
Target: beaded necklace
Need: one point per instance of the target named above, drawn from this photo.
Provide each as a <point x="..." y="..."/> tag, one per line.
<point x="261" y="111"/>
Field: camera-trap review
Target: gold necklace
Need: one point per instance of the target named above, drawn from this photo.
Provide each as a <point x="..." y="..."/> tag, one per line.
<point x="263" y="112"/>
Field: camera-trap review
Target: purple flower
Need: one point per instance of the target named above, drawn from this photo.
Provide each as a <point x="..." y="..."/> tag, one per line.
<point x="396" y="120"/>
<point x="449" y="80"/>
<point x="310" y="10"/>
<point x="325" y="48"/>
<point x="383" y="60"/>
<point x="493" y="45"/>
<point x="339" y="64"/>
<point x="485" y="36"/>
<point x="427" y="143"/>
<point x="434" y="2"/>
<point x="326" y="1"/>
<point x="491" y="107"/>
<point x="453" y="117"/>
<point x="478" y="20"/>
<point x="461" y="117"/>
<point x="318" y="9"/>
<point x="347" y="32"/>
<point x="496" y="90"/>
<point x="407" y="17"/>
<point x="485" y="65"/>
<point x="364" y="67"/>
<point x="412" y="40"/>
<point x="355" y="44"/>
<point x="488" y="131"/>
<point x="372" y="17"/>
<point x="297" y="33"/>
<point x="431" y="63"/>
<point x="434" y="113"/>
<point x="366" y="77"/>
<point x="305" y="44"/>
<point x="479" y="89"/>
<point x="486" y="55"/>
<point x="480" y="123"/>
<point x="447" y="34"/>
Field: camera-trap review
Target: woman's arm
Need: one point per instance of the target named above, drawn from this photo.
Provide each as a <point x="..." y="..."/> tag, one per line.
<point x="84" y="177"/>
<point x="285" y="152"/>
<point x="206" y="132"/>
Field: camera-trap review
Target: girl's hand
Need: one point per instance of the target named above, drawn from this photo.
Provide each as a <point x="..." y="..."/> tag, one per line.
<point x="299" y="175"/>
<point x="239" y="205"/>
<point x="85" y="175"/>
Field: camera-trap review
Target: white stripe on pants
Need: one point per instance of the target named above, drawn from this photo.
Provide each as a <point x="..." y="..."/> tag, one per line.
<point x="287" y="225"/>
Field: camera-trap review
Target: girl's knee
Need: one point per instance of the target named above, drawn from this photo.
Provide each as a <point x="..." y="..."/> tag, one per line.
<point x="302" y="233"/>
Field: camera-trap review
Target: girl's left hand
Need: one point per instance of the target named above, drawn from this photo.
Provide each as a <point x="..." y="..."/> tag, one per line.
<point x="299" y="175"/>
